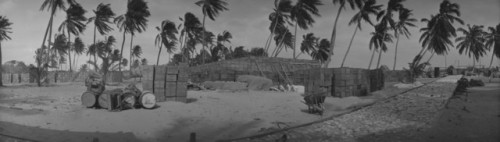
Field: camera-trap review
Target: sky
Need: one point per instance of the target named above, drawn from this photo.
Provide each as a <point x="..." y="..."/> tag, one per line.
<point x="248" y="22"/>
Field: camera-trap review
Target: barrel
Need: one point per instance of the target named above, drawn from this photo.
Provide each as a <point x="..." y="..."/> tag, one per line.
<point x="127" y="101"/>
<point x="89" y="99"/>
<point x="147" y="100"/>
<point x="109" y="98"/>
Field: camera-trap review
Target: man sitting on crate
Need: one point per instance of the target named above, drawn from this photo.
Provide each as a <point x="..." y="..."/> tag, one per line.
<point x="94" y="82"/>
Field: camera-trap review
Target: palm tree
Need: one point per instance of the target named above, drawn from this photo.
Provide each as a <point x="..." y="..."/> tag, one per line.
<point x="342" y="4"/>
<point x="136" y="51"/>
<point x="378" y="41"/>
<point x="73" y="24"/>
<point x="278" y="17"/>
<point x="60" y="48"/>
<point x="472" y="43"/>
<point x="322" y="52"/>
<point x="401" y="29"/>
<point x="386" y="21"/>
<point x="439" y="29"/>
<point x="144" y="61"/>
<point x="166" y="36"/>
<point x="309" y="43"/>
<point x="132" y="21"/>
<point x="493" y="41"/>
<point x="210" y="8"/>
<point x="283" y="40"/>
<point x="368" y="8"/>
<point x="301" y="15"/>
<point x="4" y="31"/>
<point x="79" y="48"/>
<point x="191" y="27"/>
<point x="220" y="49"/>
<point x="101" y="20"/>
<point x="52" y="6"/>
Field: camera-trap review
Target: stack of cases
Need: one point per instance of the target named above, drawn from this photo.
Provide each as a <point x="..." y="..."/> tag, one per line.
<point x="147" y="78"/>
<point x="159" y="83"/>
<point x="171" y="83"/>
<point x="182" y="78"/>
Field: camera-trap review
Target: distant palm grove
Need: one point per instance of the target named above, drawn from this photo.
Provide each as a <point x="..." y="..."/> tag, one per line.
<point x="192" y="43"/>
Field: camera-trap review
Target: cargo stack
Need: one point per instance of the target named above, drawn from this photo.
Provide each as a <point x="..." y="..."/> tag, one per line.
<point x="168" y="83"/>
<point x="147" y="78"/>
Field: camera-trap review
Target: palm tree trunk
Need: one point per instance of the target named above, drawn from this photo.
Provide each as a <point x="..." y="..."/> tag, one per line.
<point x="130" y="57"/>
<point x="203" y="38"/>
<point x="269" y="40"/>
<point x="121" y="54"/>
<point x="69" y="51"/>
<point x="158" y="58"/>
<point x="279" y="47"/>
<point x="295" y="40"/>
<point x="432" y="55"/>
<point x="379" y="57"/>
<point x="298" y="55"/>
<point x="75" y="60"/>
<point x="48" y="48"/>
<point x="395" y="53"/>
<point x="371" y="59"/>
<point x="349" y="47"/>
<point x="332" y="39"/>
<point x="95" y="58"/>
<point x="1" y="68"/>
<point x="47" y="30"/>
<point x="491" y="61"/>
<point x="473" y="64"/>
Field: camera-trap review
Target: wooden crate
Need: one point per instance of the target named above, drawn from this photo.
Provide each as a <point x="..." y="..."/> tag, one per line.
<point x="181" y="89"/>
<point x="147" y="85"/>
<point x="159" y="95"/>
<point x="170" y="89"/>
<point x="147" y="72"/>
<point x="172" y="70"/>
<point x="159" y="85"/>
<point x="171" y="77"/>
<point x="185" y="78"/>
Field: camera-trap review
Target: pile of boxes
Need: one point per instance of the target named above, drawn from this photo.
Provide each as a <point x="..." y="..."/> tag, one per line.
<point x="168" y="83"/>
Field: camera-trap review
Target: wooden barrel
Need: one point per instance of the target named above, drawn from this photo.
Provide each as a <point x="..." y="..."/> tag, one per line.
<point x="89" y="99"/>
<point x="128" y="100"/>
<point x="147" y="100"/>
<point x="109" y="98"/>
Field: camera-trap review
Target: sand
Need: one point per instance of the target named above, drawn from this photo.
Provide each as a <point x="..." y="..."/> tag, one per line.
<point x="211" y="114"/>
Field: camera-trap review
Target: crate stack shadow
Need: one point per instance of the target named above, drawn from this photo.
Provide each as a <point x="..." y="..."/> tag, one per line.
<point x="167" y="83"/>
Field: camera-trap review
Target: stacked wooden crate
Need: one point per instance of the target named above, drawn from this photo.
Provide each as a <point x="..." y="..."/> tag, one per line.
<point x="351" y="82"/>
<point x="168" y="83"/>
<point x="338" y="82"/>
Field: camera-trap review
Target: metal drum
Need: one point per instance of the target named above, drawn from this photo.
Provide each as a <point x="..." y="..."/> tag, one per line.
<point x="89" y="99"/>
<point x="109" y="99"/>
<point x="128" y="101"/>
<point x="147" y="100"/>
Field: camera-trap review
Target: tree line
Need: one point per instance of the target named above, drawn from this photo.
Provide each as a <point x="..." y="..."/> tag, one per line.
<point x="388" y="24"/>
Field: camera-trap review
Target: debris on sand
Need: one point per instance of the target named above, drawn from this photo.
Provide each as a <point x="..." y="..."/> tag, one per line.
<point x="409" y="85"/>
<point x="225" y="85"/>
<point x="256" y="82"/>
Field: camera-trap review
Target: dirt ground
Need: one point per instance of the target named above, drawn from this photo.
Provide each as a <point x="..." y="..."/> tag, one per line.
<point x="474" y="119"/>
<point x="55" y="114"/>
